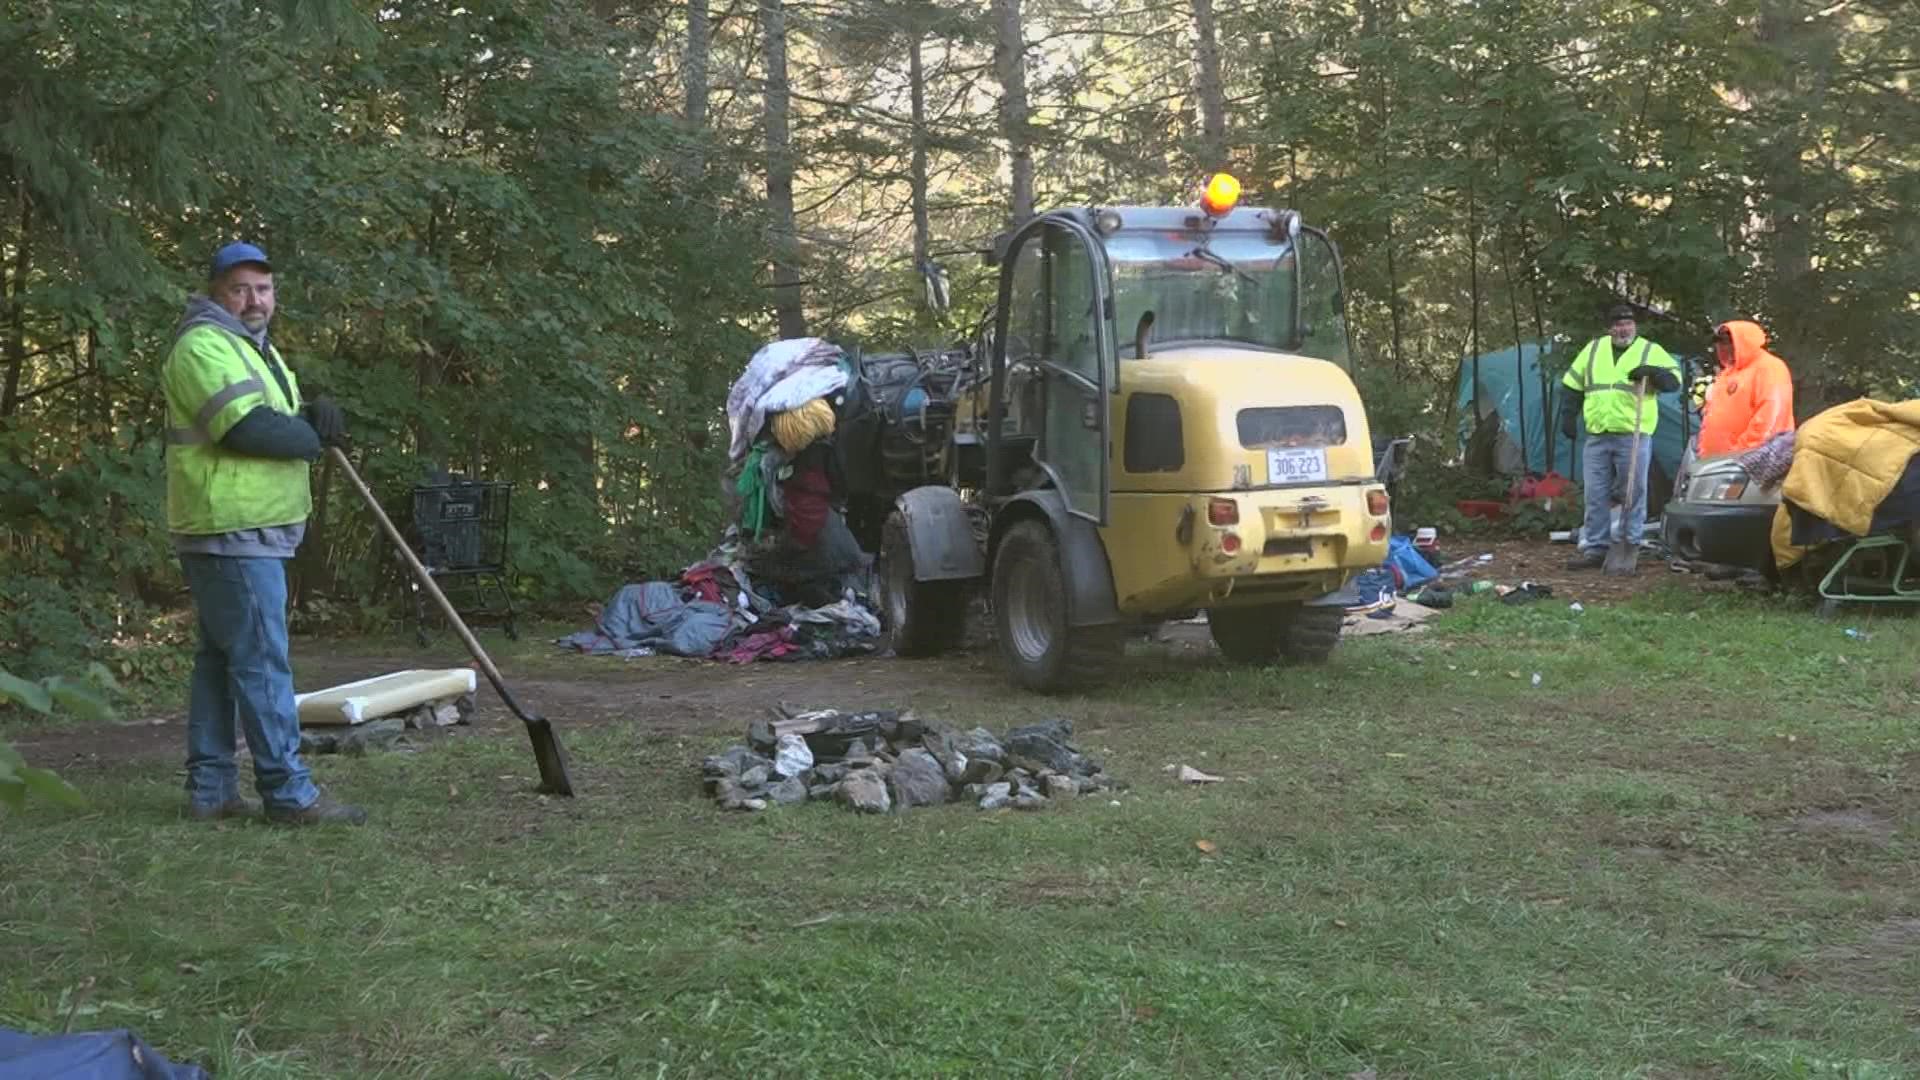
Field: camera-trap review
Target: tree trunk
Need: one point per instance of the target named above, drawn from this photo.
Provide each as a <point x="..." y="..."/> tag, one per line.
<point x="1010" y="60"/>
<point x="922" y="224"/>
<point x="699" y="44"/>
<point x="786" y="275"/>
<point x="1212" y="91"/>
<point x="17" y="312"/>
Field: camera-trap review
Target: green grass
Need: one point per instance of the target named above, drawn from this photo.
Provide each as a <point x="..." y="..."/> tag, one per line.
<point x="1425" y="865"/>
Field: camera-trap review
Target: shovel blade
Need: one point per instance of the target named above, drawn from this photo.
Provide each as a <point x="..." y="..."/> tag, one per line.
<point x="1622" y="559"/>
<point x="552" y="759"/>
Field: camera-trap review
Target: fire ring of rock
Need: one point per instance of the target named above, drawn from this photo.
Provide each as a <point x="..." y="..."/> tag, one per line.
<point x="875" y="762"/>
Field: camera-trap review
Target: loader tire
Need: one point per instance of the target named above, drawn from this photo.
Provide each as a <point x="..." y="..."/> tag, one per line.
<point x="923" y="618"/>
<point x="1312" y="633"/>
<point x="1033" y="617"/>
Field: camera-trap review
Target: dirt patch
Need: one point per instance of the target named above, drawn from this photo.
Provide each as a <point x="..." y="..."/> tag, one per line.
<point x="1544" y="563"/>
<point x="1875" y="964"/>
<point x="659" y="695"/>
<point x="1856" y="823"/>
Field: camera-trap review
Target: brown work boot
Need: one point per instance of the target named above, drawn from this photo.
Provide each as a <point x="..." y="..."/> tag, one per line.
<point x="237" y="807"/>
<point x="1591" y="559"/>
<point x="322" y="811"/>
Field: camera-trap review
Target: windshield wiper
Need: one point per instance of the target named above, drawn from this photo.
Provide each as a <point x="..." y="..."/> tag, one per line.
<point x="1207" y="254"/>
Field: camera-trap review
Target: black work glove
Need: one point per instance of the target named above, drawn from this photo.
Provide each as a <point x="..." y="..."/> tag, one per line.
<point x="327" y="421"/>
<point x="1570" y="416"/>
<point x="1657" y="377"/>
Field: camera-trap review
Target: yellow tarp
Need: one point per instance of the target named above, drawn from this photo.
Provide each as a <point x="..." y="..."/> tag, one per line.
<point x="370" y="699"/>
<point x="1845" y="462"/>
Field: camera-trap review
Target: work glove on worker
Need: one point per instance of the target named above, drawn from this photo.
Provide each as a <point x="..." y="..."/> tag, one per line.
<point x="327" y="420"/>
<point x="1657" y="377"/>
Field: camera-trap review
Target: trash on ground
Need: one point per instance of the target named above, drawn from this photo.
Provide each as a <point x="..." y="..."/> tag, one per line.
<point x="1859" y="635"/>
<point x="1576" y="607"/>
<point x="886" y="760"/>
<point x="1524" y="593"/>
<point x="1405" y="616"/>
<point x="1190" y="775"/>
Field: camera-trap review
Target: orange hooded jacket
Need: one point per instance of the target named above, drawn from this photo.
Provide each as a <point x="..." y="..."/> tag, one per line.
<point x="1751" y="400"/>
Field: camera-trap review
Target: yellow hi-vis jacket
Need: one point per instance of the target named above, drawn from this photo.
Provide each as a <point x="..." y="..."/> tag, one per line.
<point x="1602" y="377"/>
<point x="212" y="379"/>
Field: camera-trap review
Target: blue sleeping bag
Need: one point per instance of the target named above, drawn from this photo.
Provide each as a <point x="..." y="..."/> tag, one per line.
<point x="89" y="1055"/>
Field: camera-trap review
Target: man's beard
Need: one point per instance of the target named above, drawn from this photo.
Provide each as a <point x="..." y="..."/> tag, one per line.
<point x="255" y="322"/>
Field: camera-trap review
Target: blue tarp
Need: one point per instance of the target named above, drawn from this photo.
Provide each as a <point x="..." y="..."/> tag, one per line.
<point x="653" y="616"/>
<point x="1512" y="378"/>
<point x="89" y="1055"/>
<point x="1413" y="568"/>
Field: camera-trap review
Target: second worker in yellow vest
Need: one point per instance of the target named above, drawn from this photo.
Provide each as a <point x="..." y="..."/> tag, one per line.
<point x="1600" y="388"/>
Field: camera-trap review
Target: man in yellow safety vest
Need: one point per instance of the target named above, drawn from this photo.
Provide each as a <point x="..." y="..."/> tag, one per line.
<point x="239" y="441"/>
<point x="1600" y="388"/>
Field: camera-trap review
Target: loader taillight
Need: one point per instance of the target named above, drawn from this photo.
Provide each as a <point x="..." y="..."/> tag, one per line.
<point x="1377" y="502"/>
<point x="1223" y="512"/>
<point x="1230" y="543"/>
<point x="1378" y="534"/>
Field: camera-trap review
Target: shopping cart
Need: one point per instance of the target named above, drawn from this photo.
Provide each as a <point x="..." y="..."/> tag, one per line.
<point x="460" y="527"/>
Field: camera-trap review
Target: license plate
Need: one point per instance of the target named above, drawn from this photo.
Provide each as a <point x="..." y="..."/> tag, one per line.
<point x="1296" y="465"/>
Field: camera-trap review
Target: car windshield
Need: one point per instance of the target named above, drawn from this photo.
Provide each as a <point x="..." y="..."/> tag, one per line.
<point x="1238" y="287"/>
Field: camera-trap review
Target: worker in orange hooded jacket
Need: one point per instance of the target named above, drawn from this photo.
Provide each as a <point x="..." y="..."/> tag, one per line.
<point x="1751" y="399"/>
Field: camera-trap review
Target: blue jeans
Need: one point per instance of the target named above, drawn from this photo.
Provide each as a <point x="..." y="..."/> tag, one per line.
<point x="1603" y="467"/>
<point x="241" y="674"/>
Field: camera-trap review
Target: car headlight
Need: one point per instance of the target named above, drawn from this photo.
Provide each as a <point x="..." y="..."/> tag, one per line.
<point x="1727" y="489"/>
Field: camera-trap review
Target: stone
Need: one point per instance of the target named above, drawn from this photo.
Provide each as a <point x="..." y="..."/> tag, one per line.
<point x="447" y="714"/>
<point x="904" y="729"/>
<point x="865" y="790"/>
<point x="980" y="771"/>
<point x="1029" y="799"/>
<point x="952" y="761"/>
<point x="918" y="780"/>
<point x="1060" y="786"/>
<point x="730" y="795"/>
<point x="789" y="791"/>
<point x="732" y="761"/>
<point x="979" y="744"/>
<point x="999" y="801"/>
<point x="1086" y="785"/>
<point x="1019" y="777"/>
<point x="378" y="734"/>
<point x="755" y="804"/>
<point x="760" y="736"/>
<point x="319" y="742"/>
<point x="1048" y="744"/>
<point x="791" y="756"/>
<point x="822" y="791"/>
<point x="418" y="718"/>
<point x="756" y="776"/>
<point x="831" y="773"/>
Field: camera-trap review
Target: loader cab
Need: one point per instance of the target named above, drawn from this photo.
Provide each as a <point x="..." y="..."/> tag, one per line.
<point x="1090" y="297"/>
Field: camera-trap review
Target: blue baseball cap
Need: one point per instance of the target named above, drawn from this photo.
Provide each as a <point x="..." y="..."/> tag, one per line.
<point x="235" y="254"/>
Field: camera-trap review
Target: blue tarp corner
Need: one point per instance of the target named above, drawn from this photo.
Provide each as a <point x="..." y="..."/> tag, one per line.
<point x="89" y="1055"/>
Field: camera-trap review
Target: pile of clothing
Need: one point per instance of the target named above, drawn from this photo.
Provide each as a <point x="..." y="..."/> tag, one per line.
<point x="789" y="580"/>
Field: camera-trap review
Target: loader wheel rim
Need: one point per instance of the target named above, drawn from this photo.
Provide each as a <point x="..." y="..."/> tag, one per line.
<point x="1034" y="609"/>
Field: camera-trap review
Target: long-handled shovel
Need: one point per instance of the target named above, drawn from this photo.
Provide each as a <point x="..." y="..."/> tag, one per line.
<point x="546" y="745"/>
<point x="1623" y="555"/>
